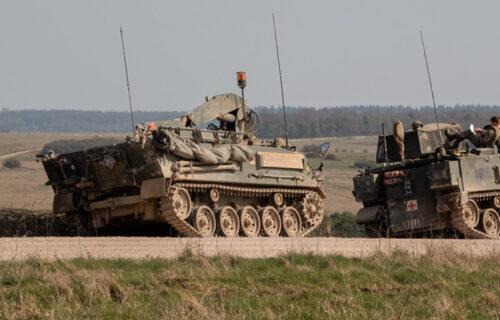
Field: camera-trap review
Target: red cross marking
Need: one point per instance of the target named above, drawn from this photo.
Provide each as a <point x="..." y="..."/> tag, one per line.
<point x="411" y="205"/>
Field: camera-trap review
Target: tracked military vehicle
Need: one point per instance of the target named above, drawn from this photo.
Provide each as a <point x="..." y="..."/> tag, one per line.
<point x="426" y="184"/>
<point x="202" y="182"/>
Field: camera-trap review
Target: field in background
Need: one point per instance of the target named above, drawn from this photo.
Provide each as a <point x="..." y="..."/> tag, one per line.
<point x="24" y="187"/>
<point x="439" y="285"/>
<point x="14" y="142"/>
<point x="354" y="144"/>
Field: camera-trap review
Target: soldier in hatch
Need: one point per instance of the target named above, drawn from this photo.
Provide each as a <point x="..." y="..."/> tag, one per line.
<point x="487" y="137"/>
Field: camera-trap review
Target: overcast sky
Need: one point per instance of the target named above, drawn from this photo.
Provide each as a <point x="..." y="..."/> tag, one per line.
<point x="67" y="54"/>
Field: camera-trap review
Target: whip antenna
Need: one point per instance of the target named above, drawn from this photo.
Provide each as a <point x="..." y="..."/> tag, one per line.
<point x="281" y="80"/>
<point x="128" y="83"/>
<point x="432" y="90"/>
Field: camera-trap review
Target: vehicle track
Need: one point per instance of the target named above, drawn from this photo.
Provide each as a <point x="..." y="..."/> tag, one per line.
<point x="187" y="230"/>
<point x="145" y="248"/>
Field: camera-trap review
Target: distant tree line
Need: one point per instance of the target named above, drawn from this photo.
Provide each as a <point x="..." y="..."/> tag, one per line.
<point x="303" y="122"/>
<point x="76" y="121"/>
<point x="364" y="120"/>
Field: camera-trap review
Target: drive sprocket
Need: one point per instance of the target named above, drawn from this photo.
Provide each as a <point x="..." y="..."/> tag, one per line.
<point x="312" y="211"/>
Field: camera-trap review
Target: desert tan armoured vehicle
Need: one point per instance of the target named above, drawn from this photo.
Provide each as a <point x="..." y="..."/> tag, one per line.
<point x="202" y="182"/>
<point x="419" y="189"/>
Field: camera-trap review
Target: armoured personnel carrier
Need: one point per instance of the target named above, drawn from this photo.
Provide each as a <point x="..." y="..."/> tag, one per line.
<point x="202" y="182"/>
<point x="424" y="183"/>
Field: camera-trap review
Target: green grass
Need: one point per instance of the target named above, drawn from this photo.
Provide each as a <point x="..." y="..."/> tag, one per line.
<point x="438" y="286"/>
<point x="343" y="224"/>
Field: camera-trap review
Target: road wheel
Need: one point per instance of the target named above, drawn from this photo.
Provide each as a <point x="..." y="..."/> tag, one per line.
<point x="291" y="221"/>
<point x="229" y="223"/>
<point x="204" y="221"/>
<point x="470" y="213"/>
<point x="180" y="202"/>
<point x="491" y="223"/>
<point x="250" y="221"/>
<point x="271" y="221"/>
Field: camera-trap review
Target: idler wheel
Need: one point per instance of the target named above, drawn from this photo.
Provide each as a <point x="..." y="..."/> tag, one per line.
<point x="491" y="223"/>
<point x="250" y="221"/>
<point x="271" y="221"/>
<point x="229" y="223"/>
<point x="180" y="202"/>
<point x="470" y="213"/>
<point x="204" y="221"/>
<point x="291" y="221"/>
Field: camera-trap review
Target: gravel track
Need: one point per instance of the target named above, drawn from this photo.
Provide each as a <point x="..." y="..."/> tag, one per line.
<point x="142" y="248"/>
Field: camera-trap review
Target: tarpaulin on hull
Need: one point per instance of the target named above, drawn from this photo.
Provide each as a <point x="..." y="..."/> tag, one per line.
<point x="188" y="149"/>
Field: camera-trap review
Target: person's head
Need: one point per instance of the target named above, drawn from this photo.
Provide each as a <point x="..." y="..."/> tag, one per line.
<point x="279" y="142"/>
<point x="495" y="121"/>
<point x="417" y="124"/>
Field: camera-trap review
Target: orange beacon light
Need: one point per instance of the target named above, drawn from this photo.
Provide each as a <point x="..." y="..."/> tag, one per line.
<point x="242" y="79"/>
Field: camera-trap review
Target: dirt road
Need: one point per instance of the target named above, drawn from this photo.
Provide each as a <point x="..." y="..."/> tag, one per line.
<point x="142" y="248"/>
<point x="13" y="154"/>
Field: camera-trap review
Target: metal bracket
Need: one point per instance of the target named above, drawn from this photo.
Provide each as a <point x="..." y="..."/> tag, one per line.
<point x="197" y="137"/>
<point x="496" y="171"/>
<point x="216" y="137"/>
<point x="277" y="177"/>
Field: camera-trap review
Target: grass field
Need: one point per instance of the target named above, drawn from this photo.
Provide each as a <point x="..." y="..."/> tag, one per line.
<point x="25" y="186"/>
<point x="435" y="286"/>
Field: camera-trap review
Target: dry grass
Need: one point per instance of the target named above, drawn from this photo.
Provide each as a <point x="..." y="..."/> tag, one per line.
<point x="434" y="286"/>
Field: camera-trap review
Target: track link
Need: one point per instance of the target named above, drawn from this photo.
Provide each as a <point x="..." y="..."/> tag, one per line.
<point x="187" y="230"/>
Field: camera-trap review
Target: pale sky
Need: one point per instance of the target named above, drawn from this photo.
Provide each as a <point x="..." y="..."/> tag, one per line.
<point x="67" y="54"/>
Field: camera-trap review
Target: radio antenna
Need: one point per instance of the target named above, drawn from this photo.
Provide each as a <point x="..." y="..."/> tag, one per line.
<point x="128" y="83"/>
<point x="281" y="80"/>
<point x="432" y="90"/>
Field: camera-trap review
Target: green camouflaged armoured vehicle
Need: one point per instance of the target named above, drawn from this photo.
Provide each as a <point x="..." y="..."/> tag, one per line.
<point x="202" y="182"/>
<point x="433" y="190"/>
